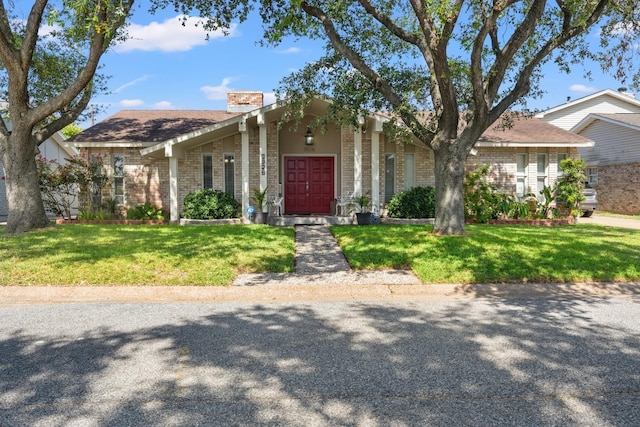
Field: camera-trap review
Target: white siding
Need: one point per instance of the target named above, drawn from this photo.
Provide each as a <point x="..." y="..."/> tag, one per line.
<point x="52" y="151"/>
<point x="613" y="144"/>
<point x="569" y="117"/>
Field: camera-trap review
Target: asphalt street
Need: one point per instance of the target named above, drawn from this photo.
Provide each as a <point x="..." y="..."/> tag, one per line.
<point x="561" y="361"/>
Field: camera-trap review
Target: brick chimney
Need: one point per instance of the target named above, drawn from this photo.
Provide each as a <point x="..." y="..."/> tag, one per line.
<point x="243" y="101"/>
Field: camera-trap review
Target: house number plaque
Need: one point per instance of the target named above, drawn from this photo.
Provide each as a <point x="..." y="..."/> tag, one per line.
<point x="263" y="164"/>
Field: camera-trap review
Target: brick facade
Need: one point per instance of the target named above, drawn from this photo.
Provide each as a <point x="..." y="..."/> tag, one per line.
<point x="147" y="179"/>
<point x="619" y="188"/>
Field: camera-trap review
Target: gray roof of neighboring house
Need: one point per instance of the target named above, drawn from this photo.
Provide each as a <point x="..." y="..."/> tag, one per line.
<point x="632" y="119"/>
<point x="150" y="125"/>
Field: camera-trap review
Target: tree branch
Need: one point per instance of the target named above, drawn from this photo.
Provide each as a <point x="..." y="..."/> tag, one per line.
<point x="99" y="44"/>
<point x="374" y="78"/>
<point x="66" y="118"/>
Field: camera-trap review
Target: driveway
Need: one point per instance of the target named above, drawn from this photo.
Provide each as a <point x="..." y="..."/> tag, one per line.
<point x="612" y="221"/>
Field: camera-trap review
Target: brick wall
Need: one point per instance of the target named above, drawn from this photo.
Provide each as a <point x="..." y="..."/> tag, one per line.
<point x="619" y="188"/>
<point x="348" y="144"/>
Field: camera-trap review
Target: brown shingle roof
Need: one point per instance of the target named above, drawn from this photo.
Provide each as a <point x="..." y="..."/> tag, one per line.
<point x="530" y="130"/>
<point x="150" y="125"/>
<point x="160" y="125"/>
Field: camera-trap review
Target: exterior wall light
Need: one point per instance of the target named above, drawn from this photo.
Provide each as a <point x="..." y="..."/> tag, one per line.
<point x="308" y="137"/>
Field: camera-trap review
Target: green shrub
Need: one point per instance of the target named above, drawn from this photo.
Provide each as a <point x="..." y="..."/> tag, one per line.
<point x="145" y="211"/>
<point x="481" y="201"/>
<point x="570" y="185"/>
<point x="210" y="204"/>
<point x="417" y="202"/>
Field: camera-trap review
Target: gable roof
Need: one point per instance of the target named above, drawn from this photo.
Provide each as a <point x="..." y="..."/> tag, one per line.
<point x="149" y="126"/>
<point x="153" y="130"/>
<point x="630" y="120"/>
<point x="530" y="132"/>
<point x="618" y="94"/>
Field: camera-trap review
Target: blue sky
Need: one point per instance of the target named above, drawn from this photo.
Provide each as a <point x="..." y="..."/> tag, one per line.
<point x="167" y="66"/>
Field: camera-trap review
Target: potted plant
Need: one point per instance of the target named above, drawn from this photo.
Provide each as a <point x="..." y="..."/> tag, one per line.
<point x="364" y="216"/>
<point x="262" y="211"/>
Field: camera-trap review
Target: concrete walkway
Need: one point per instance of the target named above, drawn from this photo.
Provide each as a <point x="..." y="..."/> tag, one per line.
<point x="319" y="260"/>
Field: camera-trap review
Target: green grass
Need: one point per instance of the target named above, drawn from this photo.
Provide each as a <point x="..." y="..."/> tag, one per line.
<point x="140" y="255"/>
<point x="76" y="255"/>
<point x="497" y="254"/>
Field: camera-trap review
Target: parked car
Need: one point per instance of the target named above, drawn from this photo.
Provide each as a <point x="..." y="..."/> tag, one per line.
<point x="590" y="202"/>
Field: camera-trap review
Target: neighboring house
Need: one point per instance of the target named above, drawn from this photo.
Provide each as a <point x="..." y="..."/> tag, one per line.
<point x="160" y="156"/>
<point x="54" y="148"/>
<point x="612" y="120"/>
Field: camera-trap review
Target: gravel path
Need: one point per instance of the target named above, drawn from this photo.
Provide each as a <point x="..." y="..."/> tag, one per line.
<point x="319" y="260"/>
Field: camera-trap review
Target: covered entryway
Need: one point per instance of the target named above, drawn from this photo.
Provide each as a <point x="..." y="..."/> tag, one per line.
<point x="308" y="184"/>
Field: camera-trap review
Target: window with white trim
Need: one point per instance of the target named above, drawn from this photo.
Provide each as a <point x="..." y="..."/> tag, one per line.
<point x="409" y="170"/>
<point x="542" y="175"/>
<point x="561" y="157"/>
<point x="592" y="176"/>
<point x="207" y="170"/>
<point x="521" y="174"/>
<point x="389" y="176"/>
<point x="229" y="173"/>
<point x="118" y="178"/>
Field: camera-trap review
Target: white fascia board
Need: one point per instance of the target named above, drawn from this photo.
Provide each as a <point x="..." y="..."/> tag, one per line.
<point x="533" y="144"/>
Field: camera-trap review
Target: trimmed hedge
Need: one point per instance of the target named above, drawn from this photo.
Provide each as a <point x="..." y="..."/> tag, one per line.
<point x="417" y="202"/>
<point x="210" y="204"/>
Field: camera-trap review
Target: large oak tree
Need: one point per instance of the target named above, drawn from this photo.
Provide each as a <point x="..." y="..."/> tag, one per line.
<point x="463" y="62"/>
<point x="49" y="64"/>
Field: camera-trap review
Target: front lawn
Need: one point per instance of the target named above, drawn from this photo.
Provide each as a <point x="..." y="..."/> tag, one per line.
<point x="143" y="255"/>
<point x="492" y="254"/>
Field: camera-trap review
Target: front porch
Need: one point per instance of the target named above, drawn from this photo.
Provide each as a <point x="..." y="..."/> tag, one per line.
<point x="292" y="220"/>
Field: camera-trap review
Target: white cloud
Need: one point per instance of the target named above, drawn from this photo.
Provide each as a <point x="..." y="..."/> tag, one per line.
<point x="128" y="103"/>
<point x="291" y="50"/>
<point x="583" y="88"/>
<point x="131" y="83"/>
<point x="169" y="36"/>
<point x="217" y="93"/>
<point x="163" y="105"/>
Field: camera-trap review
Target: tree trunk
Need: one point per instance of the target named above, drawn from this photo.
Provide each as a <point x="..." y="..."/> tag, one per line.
<point x="26" y="209"/>
<point x="449" y="179"/>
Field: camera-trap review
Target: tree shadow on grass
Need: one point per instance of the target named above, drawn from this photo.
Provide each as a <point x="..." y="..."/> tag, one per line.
<point x="517" y="362"/>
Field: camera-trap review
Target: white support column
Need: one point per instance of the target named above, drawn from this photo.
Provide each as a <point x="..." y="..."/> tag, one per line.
<point x="173" y="189"/>
<point x="375" y="164"/>
<point x="242" y="127"/>
<point x="357" y="158"/>
<point x="263" y="152"/>
<point x="173" y="153"/>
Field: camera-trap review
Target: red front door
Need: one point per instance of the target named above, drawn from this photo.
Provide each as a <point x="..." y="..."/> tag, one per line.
<point x="308" y="186"/>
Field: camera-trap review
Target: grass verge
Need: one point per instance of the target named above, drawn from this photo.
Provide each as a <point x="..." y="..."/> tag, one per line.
<point x="143" y="255"/>
<point x="497" y="254"/>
